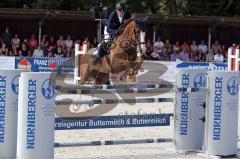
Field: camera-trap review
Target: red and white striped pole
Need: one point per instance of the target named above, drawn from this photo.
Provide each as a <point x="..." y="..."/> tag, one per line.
<point x="233" y="59"/>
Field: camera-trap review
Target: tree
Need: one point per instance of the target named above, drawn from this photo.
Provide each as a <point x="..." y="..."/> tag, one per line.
<point x="164" y="7"/>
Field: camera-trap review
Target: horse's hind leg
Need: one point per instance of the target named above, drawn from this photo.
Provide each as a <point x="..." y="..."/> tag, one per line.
<point x="102" y="78"/>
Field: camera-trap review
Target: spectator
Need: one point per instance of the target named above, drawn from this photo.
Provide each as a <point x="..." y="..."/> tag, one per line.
<point x="149" y="49"/>
<point x="184" y="54"/>
<point x="3" y="50"/>
<point x="52" y="42"/>
<point x="69" y="52"/>
<point x="24" y="50"/>
<point x="59" y="53"/>
<point x="174" y="56"/>
<point x="203" y="47"/>
<point x="218" y="57"/>
<point x="33" y="43"/>
<point x="38" y="52"/>
<point x="6" y="39"/>
<point x="69" y="42"/>
<point x="224" y="52"/>
<point x="86" y="41"/>
<point x="210" y="56"/>
<point x="185" y="47"/>
<point x="216" y="47"/>
<point x="95" y="43"/>
<point x="16" y="45"/>
<point x="44" y="43"/>
<point x="194" y="47"/>
<point x="201" y="56"/>
<point x="194" y="56"/>
<point x="158" y="47"/>
<point x="168" y="49"/>
<point x="50" y="51"/>
<point x="10" y="53"/>
<point x="61" y="42"/>
<point x="176" y="47"/>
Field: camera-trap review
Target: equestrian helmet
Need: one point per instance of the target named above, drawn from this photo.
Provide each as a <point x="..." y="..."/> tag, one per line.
<point x="120" y="7"/>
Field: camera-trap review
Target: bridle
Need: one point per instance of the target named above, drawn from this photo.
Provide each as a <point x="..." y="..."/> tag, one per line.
<point x="137" y="44"/>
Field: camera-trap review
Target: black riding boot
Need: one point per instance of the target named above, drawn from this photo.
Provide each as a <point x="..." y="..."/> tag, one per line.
<point x="98" y="56"/>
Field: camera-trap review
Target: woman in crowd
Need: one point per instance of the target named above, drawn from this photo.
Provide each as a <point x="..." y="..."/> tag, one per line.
<point x="3" y="50"/>
<point x="24" y="50"/>
<point x="95" y="43"/>
<point x="201" y="56"/>
<point x="210" y="56"/>
<point x="68" y="52"/>
<point x="149" y="49"/>
<point x="168" y="49"/>
<point x="44" y="43"/>
<point x="69" y="42"/>
<point x="176" y="47"/>
<point x="59" y="53"/>
<point x="52" y="42"/>
<point x="16" y="45"/>
<point x="194" y="47"/>
<point x="50" y="51"/>
<point x="61" y="42"/>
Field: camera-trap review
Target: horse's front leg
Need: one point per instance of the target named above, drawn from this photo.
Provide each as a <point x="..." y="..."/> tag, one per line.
<point x="135" y="66"/>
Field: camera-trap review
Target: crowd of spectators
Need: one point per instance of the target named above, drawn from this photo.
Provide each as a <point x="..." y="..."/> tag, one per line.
<point x="12" y="45"/>
<point x="63" y="47"/>
<point x="185" y="51"/>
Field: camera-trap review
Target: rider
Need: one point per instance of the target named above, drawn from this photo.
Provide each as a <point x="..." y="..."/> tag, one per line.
<point x="116" y="19"/>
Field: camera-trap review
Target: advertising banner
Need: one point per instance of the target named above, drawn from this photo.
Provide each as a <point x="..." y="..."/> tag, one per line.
<point x="62" y="66"/>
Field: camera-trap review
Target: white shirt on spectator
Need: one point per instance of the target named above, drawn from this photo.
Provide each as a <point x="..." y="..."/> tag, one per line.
<point x="218" y="58"/>
<point x="158" y="46"/>
<point x="203" y="47"/>
<point x="69" y="43"/>
<point x="38" y="53"/>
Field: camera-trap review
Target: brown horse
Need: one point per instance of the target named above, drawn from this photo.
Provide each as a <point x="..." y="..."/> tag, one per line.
<point x="124" y="57"/>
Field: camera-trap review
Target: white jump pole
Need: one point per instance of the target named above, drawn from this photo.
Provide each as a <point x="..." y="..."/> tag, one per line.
<point x="36" y="117"/>
<point x="78" y="56"/>
<point x="8" y="113"/>
<point x="233" y="59"/>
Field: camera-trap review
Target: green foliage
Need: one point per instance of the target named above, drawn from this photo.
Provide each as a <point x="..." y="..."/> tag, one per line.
<point x="164" y="7"/>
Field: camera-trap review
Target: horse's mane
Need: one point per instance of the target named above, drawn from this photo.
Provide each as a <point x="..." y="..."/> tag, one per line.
<point x="128" y="27"/>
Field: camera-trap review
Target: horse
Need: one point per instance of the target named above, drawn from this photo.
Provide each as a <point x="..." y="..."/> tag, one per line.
<point x="125" y="56"/>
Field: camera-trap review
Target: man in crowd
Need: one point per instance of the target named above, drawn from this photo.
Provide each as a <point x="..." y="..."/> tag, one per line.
<point x="203" y="47"/>
<point x="38" y="52"/>
<point x="216" y="47"/>
<point x="159" y="47"/>
<point x="6" y="39"/>
<point x="218" y="57"/>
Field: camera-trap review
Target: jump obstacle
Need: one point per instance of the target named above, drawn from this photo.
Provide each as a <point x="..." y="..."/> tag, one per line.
<point x="32" y="84"/>
<point x="113" y="142"/>
<point x="78" y="57"/>
<point x="233" y="59"/>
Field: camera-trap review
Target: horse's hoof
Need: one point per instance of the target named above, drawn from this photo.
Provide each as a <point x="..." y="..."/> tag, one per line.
<point x="76" y="108"/>
<point x="123" y="79"/>
<point x="90" y="106"/>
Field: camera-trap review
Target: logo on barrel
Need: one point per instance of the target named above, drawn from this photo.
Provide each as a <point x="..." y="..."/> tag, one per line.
<point x="199" y="80"/>
<point x="15" y="84"/>
<point x="232" y="86"/>
<point x="48" y="89"/>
